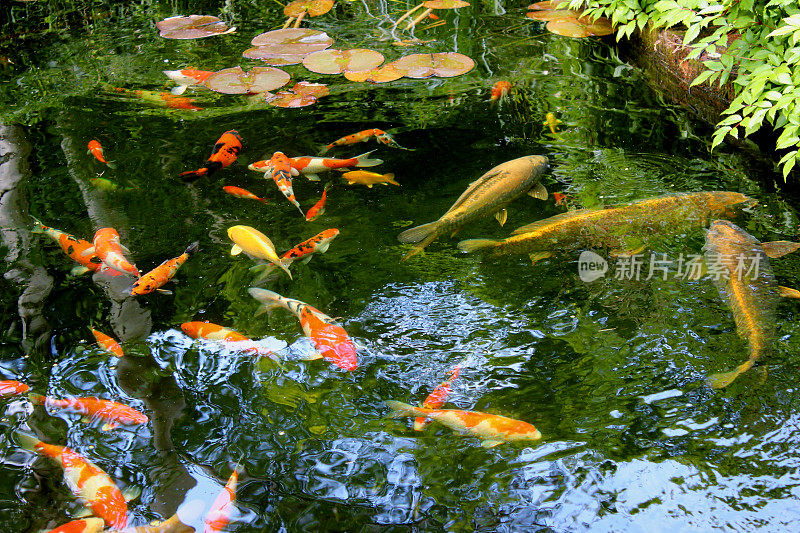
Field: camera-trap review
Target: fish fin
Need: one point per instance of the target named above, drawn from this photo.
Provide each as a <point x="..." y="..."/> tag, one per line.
<point x="502" y="216"/>
<point x="192" y="175"/>
<point x="268" y="298"/>
<point x="38" y="227"/>
<point x="538" y="191"/>
<point x="390" y="179"/>
<point x="474" y="245"/>
<point x="364" y="161"/>
<point x="179" y="90"/>
<point x="236" y="249"/>
<point x="420" y="246"/>
<point x="310" y="356"/>
<point x="420" y="423"/>
<point x="775" y="249"/>
<point x="108" y="426"/>
<point x="312" y="177"/>
<point x="79" y="270"/>
<point x="83" y="512"/>
<point x="488" y="443"/>
<point x="294" y="172"/>
<point x="261" y="310"/>
<point x="111" y="164"/>
<point x="538" y="256"/>
<point x="306" y="259"/>
<point x="400" y="409"/>
<point x="25" y="441"/>
<point x="418" y="233"/>
<point x="131" y="492"/>
<point x="723" y="379"/>
<point x="88" y="251"/>
<point x="786" y="292"/>
<point x="192" y="248"/>
<point x="124" y="249"/>
<point x="165" y="291"/>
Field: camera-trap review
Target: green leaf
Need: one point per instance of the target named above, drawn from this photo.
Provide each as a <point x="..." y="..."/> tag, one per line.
<point x="702" y="77"/>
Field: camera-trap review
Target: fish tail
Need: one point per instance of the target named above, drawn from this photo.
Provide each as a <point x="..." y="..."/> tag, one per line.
<point x="269" y="299"/>
<point x="390" y="179"/>
<point x="25" y="441"/>
<point x="37" y="399"/>
<point x="110" y="164"/>
<point x="192" y="248"/>
<point x="192" y="175"/>
<point x="285" y="268"/>
<point x="38" y="227"/>
<point x="401" y="410"/>
<point x="419" y="233"/>
<point x="476" y="245"/>
<point x="324" y="149"/>
<point x="723" y="379"/>
<point x="364" y="161"/>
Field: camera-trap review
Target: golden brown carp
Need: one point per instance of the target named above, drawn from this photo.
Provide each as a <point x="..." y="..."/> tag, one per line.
<point x="488" y="195"/>
<point x="622" y="229"/>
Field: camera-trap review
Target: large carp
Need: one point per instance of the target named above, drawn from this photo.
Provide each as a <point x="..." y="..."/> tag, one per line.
<point x="623" y="229"/>
<point x="488" y="195"/>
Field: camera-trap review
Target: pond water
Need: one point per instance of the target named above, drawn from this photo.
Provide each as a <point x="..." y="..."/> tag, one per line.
<point x="612" y="372"/>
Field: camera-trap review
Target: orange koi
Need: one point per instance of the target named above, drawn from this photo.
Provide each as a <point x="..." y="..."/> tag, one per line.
<point x="560" y="198"/>
<point x="500" y="91"/>
<point x="280" y="169"/>
<point x="219" y="515"/>
<point x="242" y="193"/>
<point x="113" y="413"/>
<point x="9" y="387"/>
<point x="437" y="398"/>
<point x="97" y="151"/>
<point x="363" y="136"/>
<point x="108" y="343"/>
<point x="162" y="273"/>
<point x="492" y="429"/>
<point x="74" y="247"/>
<point x="85" y="480"/>
<point x="86" y="525"/>
<point x="310" y="166"/>
<point x="225" y="151"/>
<point x="319" y="208"/>
<point x="186" y="78"/>
<point x="330" y="339"/>
<point x="110" y="251"/>
<point x="318" y="244"/>
<point x="215" y="332"/>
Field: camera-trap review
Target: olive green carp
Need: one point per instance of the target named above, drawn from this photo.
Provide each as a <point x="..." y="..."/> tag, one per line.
<point x="623" y="229"/>
<point x="488" y="195"/>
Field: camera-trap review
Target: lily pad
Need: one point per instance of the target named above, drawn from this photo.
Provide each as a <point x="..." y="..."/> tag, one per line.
<point x="237" y="81"/>
<point x="290" y="99"/>
<point x="276" y="60"/>
<point x="442" y="64"/>
<point x="386" y="73"/>
<point x="445" y="4"/>
<point x="295" y="41"/>
<point x="312" y="8"/>
<point x="317" y="90"/>
<point x="338" y="61"/>
<point x="580" y="27"/>
<point x="192" y="27"/>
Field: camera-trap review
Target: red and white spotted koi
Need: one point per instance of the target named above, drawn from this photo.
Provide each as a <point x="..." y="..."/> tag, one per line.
<point x="310" y="166"/>
<point x="279" y="167"/>
<point x="363" y="136"/>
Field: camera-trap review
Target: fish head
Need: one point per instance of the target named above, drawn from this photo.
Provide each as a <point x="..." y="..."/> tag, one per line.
<point x="260" y="166"/>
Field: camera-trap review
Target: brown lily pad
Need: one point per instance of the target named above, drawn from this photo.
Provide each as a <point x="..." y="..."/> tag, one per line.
<point x="276" y="60"/>
<point x="338" y="61"/>
<point x="290" y="99"/>
<point x="442" y="64"/>
<point x="294" y="41"/>
<point x="317" y="90"/>
<point x="580" y="27"/>
<point x="192" y="27"/>
<point x="445" y="4"/>
<point x="312" y="8"/>
<point x="237" y="81"/>
<point x="384" y="74"/>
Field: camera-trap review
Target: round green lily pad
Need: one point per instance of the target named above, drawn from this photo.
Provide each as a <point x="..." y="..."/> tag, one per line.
<point x="338" y="61"/>
<point x="312" y="8"/>
<point x="192" y="27"/>
<point x="295" y="41"/>
<point x="442" y="64"/>
<point x="237" y="81"/>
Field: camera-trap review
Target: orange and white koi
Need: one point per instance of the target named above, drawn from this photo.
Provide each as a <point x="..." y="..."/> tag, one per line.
<point x="242" y="193"/>
<point x="500" y="91"/>
<point x="310" y="166"/>
<point x="318" y="208"/>
<point x="97" y="151"/>
<point x="279" y="168"/>
<point x="160" y="99"/>
<point x="108" y="343"/>
<point x="363" y="136"/>
<point x="9" y="387"/>
<point x="73" y="247"/>
<point x="186" y="78"/>
<point x="492" y="429"/>
<point x="226" y="151"/>
<point x="219" y="515"/>
<point x="113" y="413"/>
<point x="437" y="398"/>
<point x="85" y="525"/>
<point x="215" y="332"/>
<point x="110" y="251"/>
<point x="330" y="339"/>
<point x="318" y="244"/>
<point x="85" y="480"/>
<point x="161" y="274"/>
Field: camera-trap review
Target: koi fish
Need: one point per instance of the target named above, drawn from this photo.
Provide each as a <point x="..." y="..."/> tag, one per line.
<point x="492" y="429"/>
<point x="85" y="480"/>
<point x="110" y="251"/>
<point x="363" y="136"/>
<point x="364" y="177"/>
<point x="551" y="122"/>
<point x="162" y="273"/>
<point x="436" y="399"/>
<point x="219" y="515"/>
<point x="330" y="339"/>
<point x="160" y="99"/>
<point x="310" y="166"/>
<point x="226" y="151"/>
<point x="318" y="244"/>
<point x="487" y="195"/>
<point x="186" y="78"/>
<point x="280" y="169"/>
<point x="9" y="388"/>
<point x="113" y="413"/>
<point x="215" y="332"/>
<point x="318" y="208"/>
<point x="73" y="247"/>
<point x="242" y="193"/>
<point x="500" y="91"/>
<point x="624" y="229"/>
<point x="86" y="525"/>
<point x="560" y="198"/>
<point x="108" y="343"/>
<point x="255" y="244"/>
<point x="97" y="151"/>
<point x="171" y="525"/>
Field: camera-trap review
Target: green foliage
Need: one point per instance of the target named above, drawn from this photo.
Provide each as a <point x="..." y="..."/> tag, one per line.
<point x="752" y="44"/>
